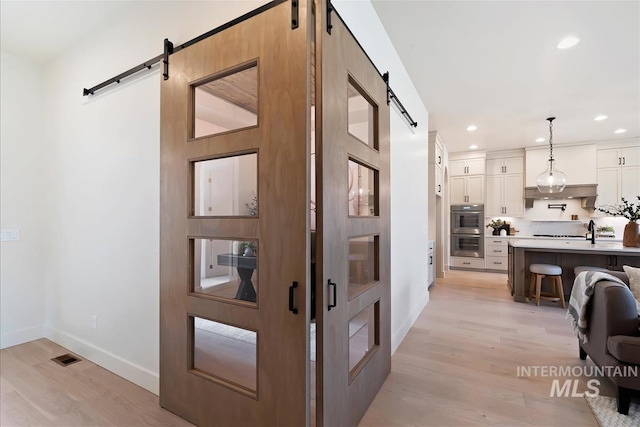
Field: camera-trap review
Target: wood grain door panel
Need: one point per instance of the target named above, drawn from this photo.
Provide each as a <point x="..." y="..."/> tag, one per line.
<point x="280" y="228"/>
<point x="344" y="394"/>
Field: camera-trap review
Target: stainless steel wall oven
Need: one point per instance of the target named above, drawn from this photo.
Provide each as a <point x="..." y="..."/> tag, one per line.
<point x="467" y="230"/>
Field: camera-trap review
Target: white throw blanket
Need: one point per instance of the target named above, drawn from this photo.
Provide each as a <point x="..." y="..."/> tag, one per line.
<point x="580" y="295"/>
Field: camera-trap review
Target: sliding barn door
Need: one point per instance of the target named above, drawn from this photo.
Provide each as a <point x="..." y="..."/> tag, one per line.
<point x="352" y="130"/>
<point x="234" y="245"/>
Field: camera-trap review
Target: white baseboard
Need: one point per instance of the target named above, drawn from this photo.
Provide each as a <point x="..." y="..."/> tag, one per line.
<point x="128" y="370"/>
<point x="398" y="335"/>
<point x="22" y="336"/>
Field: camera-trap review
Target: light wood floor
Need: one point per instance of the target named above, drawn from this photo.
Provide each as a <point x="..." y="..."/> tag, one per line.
<point x="456" y="367"/>
<point x="458" y="364"/>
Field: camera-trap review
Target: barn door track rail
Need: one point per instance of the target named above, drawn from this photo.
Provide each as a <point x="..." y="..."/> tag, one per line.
<point x="170" y="49"/>
<point x="391" y="96"/>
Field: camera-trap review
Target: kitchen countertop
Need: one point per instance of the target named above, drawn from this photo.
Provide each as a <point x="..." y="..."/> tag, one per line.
<point x="573" y="239"/>
<point x="573" y="245"/>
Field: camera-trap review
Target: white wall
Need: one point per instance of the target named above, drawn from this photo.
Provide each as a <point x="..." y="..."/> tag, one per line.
<point x="103" y="181"/>
<point x="409" y="172"/>
<point x="22" y="193"/>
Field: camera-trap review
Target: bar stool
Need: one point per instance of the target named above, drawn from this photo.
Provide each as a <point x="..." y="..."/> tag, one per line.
<point x="554" y="273"/>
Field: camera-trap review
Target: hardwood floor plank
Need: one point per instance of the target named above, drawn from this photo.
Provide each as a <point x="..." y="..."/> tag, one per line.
<point x="38" y="392"/>
<point x="458" y="365"/>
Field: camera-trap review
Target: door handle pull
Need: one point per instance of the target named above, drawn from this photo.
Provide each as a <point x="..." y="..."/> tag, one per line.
<point x="291" y="297"/>
<point x="335" y="295"/>
<point x="430" y="259"/>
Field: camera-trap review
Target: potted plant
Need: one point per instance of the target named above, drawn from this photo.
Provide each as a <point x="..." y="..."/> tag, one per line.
<point x="248" y="249"/>
<point x="497" y="225"/>
<point x="631" y="211"/>
<point x="605" y="231"/>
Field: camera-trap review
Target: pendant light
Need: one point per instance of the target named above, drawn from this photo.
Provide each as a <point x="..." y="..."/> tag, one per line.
<point x="551" y="180"/>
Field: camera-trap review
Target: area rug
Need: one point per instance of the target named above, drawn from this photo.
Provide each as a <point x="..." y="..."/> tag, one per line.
<point x="606" y="411"/>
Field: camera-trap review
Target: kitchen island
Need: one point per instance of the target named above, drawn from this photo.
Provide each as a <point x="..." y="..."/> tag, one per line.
<point x="567" y="254"/>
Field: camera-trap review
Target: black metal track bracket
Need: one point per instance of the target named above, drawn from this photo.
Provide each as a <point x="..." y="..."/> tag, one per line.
<point x="385" y="78"/>
<point x="392" y="96"/>
<point x="329" y="10"/>
<point x="294" y="14"/>
<point x="168" y="50"/>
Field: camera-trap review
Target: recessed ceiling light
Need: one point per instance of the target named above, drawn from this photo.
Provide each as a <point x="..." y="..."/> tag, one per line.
<point x="540" y="140"/>
<point x="600" y="118"/>
<point x="473" y="147"/>
<point x="472" y="128"/>
<point x="568" y="42"/>
<point x="619" y="131"/>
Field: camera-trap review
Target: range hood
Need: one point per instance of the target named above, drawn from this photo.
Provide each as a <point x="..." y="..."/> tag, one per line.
<point x="586" y="193"/>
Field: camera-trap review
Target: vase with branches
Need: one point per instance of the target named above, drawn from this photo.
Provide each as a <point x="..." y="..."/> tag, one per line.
<point x="630" y="211"/>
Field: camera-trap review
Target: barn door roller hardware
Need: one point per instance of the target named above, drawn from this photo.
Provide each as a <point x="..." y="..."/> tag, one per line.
<point x="329" y="10"/>
<point x="169" y="49"/>
<point x="391" y="96"/>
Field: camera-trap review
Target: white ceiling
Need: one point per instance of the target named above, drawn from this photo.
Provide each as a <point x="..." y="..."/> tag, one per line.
<point x="489" y="63"/>
<point x="495" y="64"/>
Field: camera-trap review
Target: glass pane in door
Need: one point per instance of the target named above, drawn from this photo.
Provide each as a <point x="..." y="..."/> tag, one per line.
<point x="363" y="263"/>
<point x="226" y="269"/>
<point x="227" y="102"/>
<point x="226" y="186"/>
<point x="363" y="337"/>
<point x="225" y="353"/>
<point x="362" y="115"/>
<point x="363" y="190"/>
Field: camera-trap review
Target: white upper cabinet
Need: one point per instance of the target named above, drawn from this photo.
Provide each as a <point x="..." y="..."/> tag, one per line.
<point x="505" y="165"/>
<point x="505" y="185"/>
<point x="614" y="157"/>
<point x="618" y="175"/>
<point x="578" y="162"/>
<point x="466" y="189"/>
<point x="471" y="166"/>
<point x="505" y="195"/>
<point x="439" y="158"/>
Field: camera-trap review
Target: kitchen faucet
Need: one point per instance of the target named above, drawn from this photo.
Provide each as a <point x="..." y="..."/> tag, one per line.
<point x="592" y="229"/>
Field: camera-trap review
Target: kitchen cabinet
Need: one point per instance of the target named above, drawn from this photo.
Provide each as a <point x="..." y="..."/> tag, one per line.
<point x="438" y="184"/>
<point x="614" y="157"/>
<point x="505" y="165"/>
<point x="578" y="162"/>
<point x="438" y="167"/>
<point x="466" y="263"/>
<point x="496" y="253"/>
<point x="466" y="189"/>
<point x="436" y="164"/>
<point x="505" y="186"/>
<point x="618" y="175"/>
<point x="505" y="195"/>
<point x="431" y="265"/>
<point x="470" y="166"/>
<point x="616" y="183"/>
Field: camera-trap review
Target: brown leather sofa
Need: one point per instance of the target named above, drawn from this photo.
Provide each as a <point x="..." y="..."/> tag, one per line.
<point x="613" y="335"/>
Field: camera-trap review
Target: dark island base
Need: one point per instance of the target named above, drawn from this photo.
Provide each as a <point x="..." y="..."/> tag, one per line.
<point x="521" y="258"/>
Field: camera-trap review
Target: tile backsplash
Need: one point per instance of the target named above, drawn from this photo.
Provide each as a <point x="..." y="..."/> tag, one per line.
<point x="542" y="220"/>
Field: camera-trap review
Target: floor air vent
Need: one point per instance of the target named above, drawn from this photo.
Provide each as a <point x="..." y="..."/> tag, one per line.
<point x="66" y="359"/>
